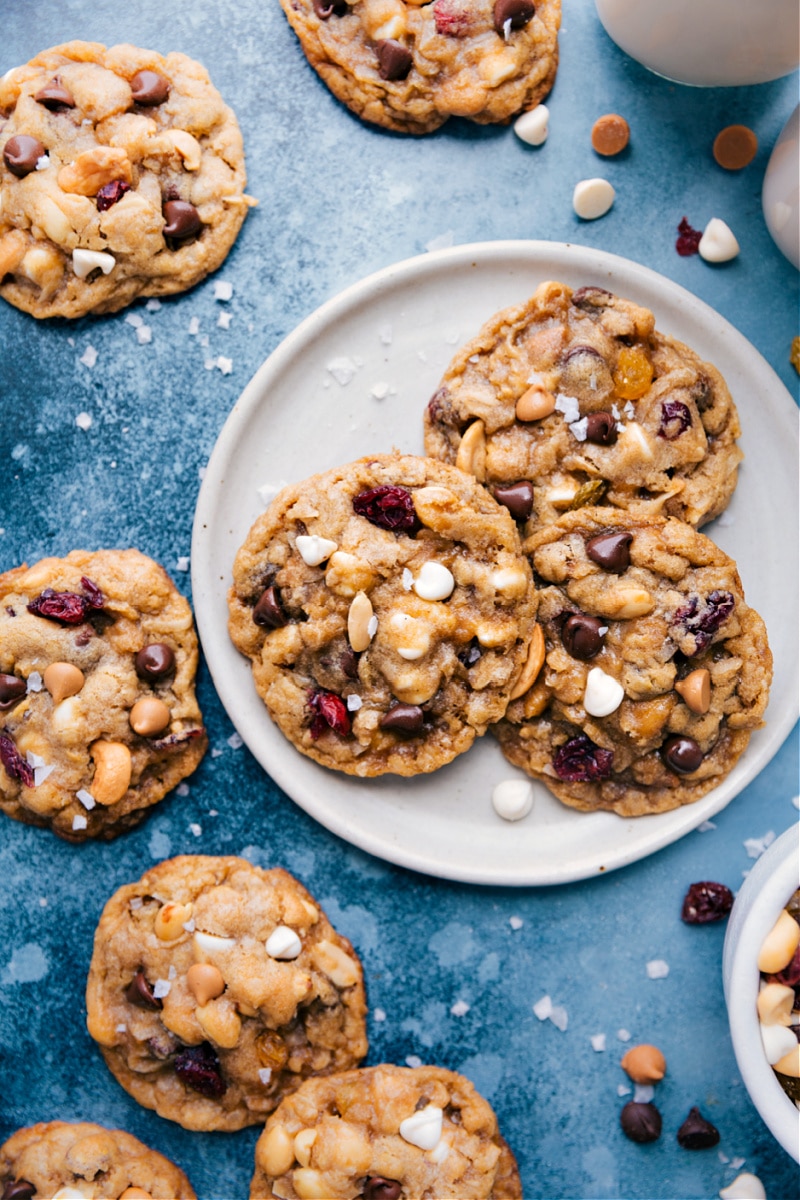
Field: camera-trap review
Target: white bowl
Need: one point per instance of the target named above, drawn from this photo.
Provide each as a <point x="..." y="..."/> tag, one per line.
<point x="780" y="195"/>
<point x="767" y="889"/>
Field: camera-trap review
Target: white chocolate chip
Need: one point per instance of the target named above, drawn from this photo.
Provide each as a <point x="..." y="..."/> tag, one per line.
<point x="531" y="127"/>
<point x="744" y="1187"/>
<point x="423" y="1128"/>
<point x="592" y="198"/>
<point x="603" y="693"/>
<point x="86" y="261"/>
<point x="70" y="1193"/>
<point x="314" y="549"/>
<point x="634" y="433"/>
<point x="509" y="581"/>
<point x="209" y="943"/>
<point x="440" y="1152"/>
<point x="512" y="799"/>
<point x="718" y="245"/>
<point x="434" y="582"/>
<point x="777" y="1041"/>
<point x="413" y="634"/>
<point x="283" y="943"/>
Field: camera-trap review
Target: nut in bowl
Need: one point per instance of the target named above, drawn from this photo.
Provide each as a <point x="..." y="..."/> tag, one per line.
<point x="760" y="907"/>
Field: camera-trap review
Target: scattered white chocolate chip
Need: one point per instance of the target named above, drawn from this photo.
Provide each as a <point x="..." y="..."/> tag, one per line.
<point x="423" y="1128"/>
<point x="744" y="1187"/>
<point x="512" y="799"/>
<point x="434" y="581"/>
<point x="592" y="198"/>
<point x="283" y="943"/>
<point x="603" y="694"/>
<point x="775" y="1003"/>
<point x="777" y="1041"/>
<point x="777" y="949"/>
<point x="531" y="127"/>
<point x="314" y="549"/>
<point x="83" y="421"/>
<point x="718" y="245"/>
<point x="86" y="261"/>
<point x="342" y="369"/>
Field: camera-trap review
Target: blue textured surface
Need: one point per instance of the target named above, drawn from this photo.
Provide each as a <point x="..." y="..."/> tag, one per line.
<point x="338" y="200"/>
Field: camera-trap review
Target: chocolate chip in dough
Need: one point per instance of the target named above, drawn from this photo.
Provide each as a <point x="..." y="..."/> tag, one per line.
<point x="378" y="1188"/>
<point x="21" y="154"/>
<point x="518" y="12"/>
<point x="404" y="718"/>
<point x="682" y="754"/>
<point x="12" y="689"/>
<point x="581" y="636"/>
<point x="516" y="497"/>
<point x="601" y="429"/>
<point x="394" y="60"/>
<point x="611" y="551"/>
<point x="183" y="220"/>
<point x="19" y="1189"/>
<point x="149" y="88"/>
<point x="268" y="612"/>
<point x="54" y="96"/>
<point x="155" y="661"/>
<point x="140" y="993"/>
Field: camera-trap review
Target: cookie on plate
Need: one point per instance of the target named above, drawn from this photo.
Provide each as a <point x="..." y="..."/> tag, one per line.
<point x="98" y="715"/>
<point x="60" y="1160"/>
<point x="409" y="66"/>
<point x="577" y="393"/>
<point x="121" y="175"/>
<point x="383" y="1133"/>
<point x="387" y="608"/>
<point x="656" y="671"/>
<point x="216" y="987"/>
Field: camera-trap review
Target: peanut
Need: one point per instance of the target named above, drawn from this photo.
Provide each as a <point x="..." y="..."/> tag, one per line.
<point x="221" y="1022"/>
<point x="205" y="982"/>
<point x="644" y="1064"/>
<point x="778" y="947"/>
<point x="471" y="456"/>
<point x="302" y="1146"/>
<point x="532" y="666"/>
<point x="275" y="1151"/>
<point x="187" y="147"/>
<point x="359" y="619"/>
<point x="310" y="1185"/>
<point x="170" y="920"/>
<point x="346" y="574"/>
<point x="535" y="404"/>
<point x="135" y="1193"/>
<point x="93" y="169"/>
<point x="62" y="680"/>
<point x="53" y="221"/>
<point x="790" y="1063"/>
<point x="625" y="603"/>
<point x="112" y="771"/>
<point x="12" y="250"/>
<point x="333" y="962"/>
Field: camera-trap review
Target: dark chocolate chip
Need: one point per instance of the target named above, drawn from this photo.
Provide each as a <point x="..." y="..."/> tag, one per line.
<point x="591" y="297"/>
<point x="19" y="1189"/>
<point x="706" y="902"/>
<point x="330" y="8"/>
<point x="110" y="194"/>
<point x="640" y="1122"/>
<point x="696" y="1133"/>
<point x="681" y="754"/>
<point x="518" y="12"/>
<point x="155" y="661"/>
<point x="54" y="96"/>
<point x="601" y="428"/>
<point x="611" y="551"/>
<point x="378" y="1188"/>
<point x="21" y="154"/>
<point x="149" y="89"/>
<point x="581" y="636"/>
<point x="404" y="718"/>
<point x="394" y="60"/>
<point x="578" y="351"/>
<point x="12" y="689"/>
<point x="348" y="662"/>
<point x="183" y="220"/>
<point x="140" y="993"/>
<point x="268" y="612"/>
<point x="516" y="497"/>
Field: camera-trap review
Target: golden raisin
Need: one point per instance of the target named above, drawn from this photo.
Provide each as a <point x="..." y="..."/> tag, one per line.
<point x="271" y="1051"/>
<point x="591" y="492"/>
<point x="634" y="373"/>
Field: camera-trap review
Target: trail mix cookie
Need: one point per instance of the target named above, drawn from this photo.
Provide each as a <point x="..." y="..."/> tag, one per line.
<point x="62" y="1161"/>
<point x="216" y="987"/>
<point x="98" y="716"/>
<point x="386" y="608"/>
<point x="578" y="394"/>
<point x="656" y="671"/>
<point x="384" y="1133"/>
<point x="121" y="175"/>
<point x="409" y="65"/>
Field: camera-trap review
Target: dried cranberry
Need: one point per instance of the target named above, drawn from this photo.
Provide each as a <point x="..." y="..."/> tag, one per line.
<point x="175" y="740"/>
<point x="452" y="18"/>
<point x="68" y="608"/>
<point x="387" y="507"/>
<point x="705" y="902"/>
<point x="675" y="420"/>
<point x="580" y="761"/>
<point x="15" y="765"/>
<point x="198" y="1067"/>
<point x="702" y="618"/>
<point x="111" y="193"/>
<point x="440" y="410"/>
<point x="688" y="239"/>
<point x="331" y="713"/>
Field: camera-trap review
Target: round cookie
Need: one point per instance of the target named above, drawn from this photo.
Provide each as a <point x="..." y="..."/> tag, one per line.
<point x="578" y="393"/>
<point x="386" y="607"/>
<point x="216" y="987"/>
<point x="121" y="175"/>
<point x="98" y="716"/>
<point x="656" y="670"/>
<point x="383" y="1133"/>
<point x="408" y="66"/>
<point x="60" y="1161"/>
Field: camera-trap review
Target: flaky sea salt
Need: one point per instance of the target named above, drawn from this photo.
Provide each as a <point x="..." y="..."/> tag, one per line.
<point x="379" y="1015"/>
<point x="413" y="1061"/>
<point x="161" y="988"/>
<point x="79" y="822"/>
<point x="224" y="320"/>
<point x="516" y="922"/>
<point x="380" y="390"/>
<point x="643" y="1093"/>
<point x="578" y="429"/>
<point x="225" y="365"/>
<point x="657" y="969"/>
<point x="183" y="563"/>
<point x="408" y="580"/>
<point x="144" y="334"/>
<point x="385" y="334"/>
<point x="342" y="369"/>
<point x="622" y="1090"/>
<point x="460" y="1008"/>
<point x="441" y="242"/>
<point x="89" y="357"/>
<point x="83" y="420"/>
<point x="598" y="1041"/>
<point x="706" y="827"/>
<point x="134" y="319"/>
<point x="195" y="829"/>
<point x="623" y="1035"/>
<point x="235" y="742"/>
<point x="222" y="289"/>
<point x="569" y="407"/>
<point x="265" y="1074"/>
<point x="153" y="305"/>
<point x="194" y="327"/>
<point x="34" y="684"/>
<point x="755" y="847"/>
<point x="354" y="702"/>
<point x="86" y="798"/>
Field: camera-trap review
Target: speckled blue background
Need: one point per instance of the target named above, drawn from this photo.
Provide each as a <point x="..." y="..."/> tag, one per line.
<point x="338" y="200"/>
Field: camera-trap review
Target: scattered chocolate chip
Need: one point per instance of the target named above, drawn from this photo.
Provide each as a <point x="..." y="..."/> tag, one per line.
<point x="183" y="220"/>
<point x="378" y="1188"/>
<point x="516" y="497"/>
<point x="601" y="428"/>
<point x="110" y="194"/>
<point x="394" y="60"/>
<point x="12" y="689"/>
<point x="518" y="12"/>
<point x="54" y="96"/>
<point x="581" y="636"/>
<point x="330" y="8"/>
<point x="155" y="661"/>
<point x="640" y="1122"/>
<point x="149" y="88"/>
<point x="580" y="761"/>
<point x="681" y="754"/>
<point x="403" y="718"/>
<point x="21" y="154"/>
<point x="387" y="507"/>
<point x="611" y="551"/>
<point x="696" y="1133"/>
<point x="706" y="902"/>
<point x="330" y="713"/>
<point x="268" y="612"/>
<point x="198" y="1067"/>
<point x="19" y="1189"/>
<point x="140" y="993"/>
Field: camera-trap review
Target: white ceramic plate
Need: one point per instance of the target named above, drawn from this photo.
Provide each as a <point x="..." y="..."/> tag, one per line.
<point x="312" y="405"/>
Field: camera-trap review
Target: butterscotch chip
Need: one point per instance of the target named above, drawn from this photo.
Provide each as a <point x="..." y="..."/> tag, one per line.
<point x="610" y="134"/>
<point x="735" y="147"/>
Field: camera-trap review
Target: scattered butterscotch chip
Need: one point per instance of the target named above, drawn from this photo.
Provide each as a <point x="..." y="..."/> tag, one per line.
<point x="610" y="134"/>
<point x="794" y="354"/>
<point x="735" y="147"/>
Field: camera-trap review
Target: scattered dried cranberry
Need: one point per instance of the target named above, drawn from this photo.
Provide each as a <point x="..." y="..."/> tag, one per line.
<point x="331" y="713"/>
<point x="702" y="618"/>
<point x="111" y="193"/>
<point x="705" y="902"/>
<point x="452" y="18"/>
<point x="15" y="765"/>
<point x="174" y="740"/>
<point x="68" y="608"/>
<point x="675" y="420"/>
<point x="688" y="239"/>
<point x="696" y="1133"/>
<point x="198" y="1067"/>
<point x="387" y="507"/>
<point x="580" y="761"/>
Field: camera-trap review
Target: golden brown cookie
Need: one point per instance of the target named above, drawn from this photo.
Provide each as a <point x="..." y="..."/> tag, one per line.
<point x="61" y="1161"/>
<point x="409" y="66"/>
<point x="577" y="393"/>
<point x="386" y="607"/>
<point x="383" y="1133"/>
<point x="656" y="671"/>
<point x="98" y="715"/>
<point x="122" y="175"/>
<point x="216" y="987"/>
